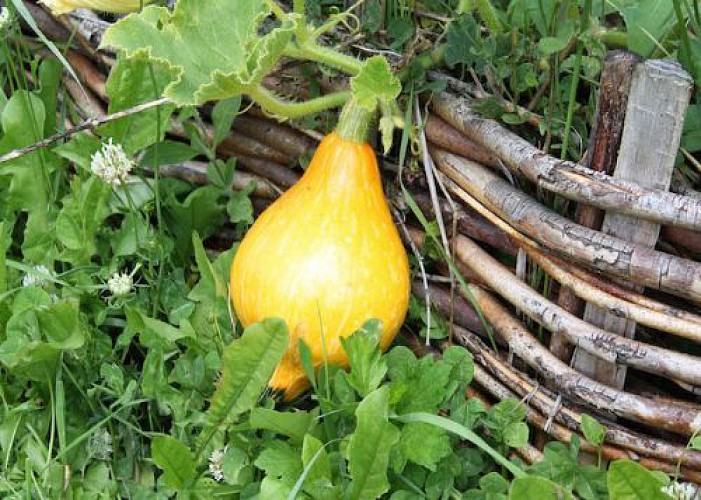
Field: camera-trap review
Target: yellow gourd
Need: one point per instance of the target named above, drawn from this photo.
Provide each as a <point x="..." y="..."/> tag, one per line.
<point x="325" y="257"/>
<point x="120" y="6"/>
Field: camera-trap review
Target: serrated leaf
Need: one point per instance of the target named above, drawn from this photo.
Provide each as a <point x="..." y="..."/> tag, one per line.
<point x="369" y="446"/>
<point x="214" y="60"/>
<point x="375" y="83"/>
<point x="367" y="367"/>
<point x="425" y="444"/>
<point x="281" y="461"/>
<point x="175" y="459"/>
<point x="247" y="365"/>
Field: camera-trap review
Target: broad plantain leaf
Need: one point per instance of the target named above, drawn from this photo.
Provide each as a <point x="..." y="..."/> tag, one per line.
<point x="629" y="480"/>
<point x="247" y="365"/>
<point x="369" y="446"/>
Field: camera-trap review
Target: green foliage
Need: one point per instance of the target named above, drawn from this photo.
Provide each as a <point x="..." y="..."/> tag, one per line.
<point x="186" y="48"/>
<point x="153" y="392"/>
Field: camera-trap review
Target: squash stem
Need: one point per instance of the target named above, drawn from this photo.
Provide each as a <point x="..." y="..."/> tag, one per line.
<point x="277" y="106"/>
<point x="354" y="122"/>
<point x="312" y="51"/>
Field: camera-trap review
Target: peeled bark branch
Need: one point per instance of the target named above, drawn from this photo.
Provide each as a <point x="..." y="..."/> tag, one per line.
<point x="619" y="258"/>
<point x="664" y="321"/>
<point x="680" y="418"/>
<point x="275" y="135"/>
<point x="195" y="172"/>
<point x="446" y="137"/>
<point x="491" y="372"/>
<point x="598" y="342"/>
<point x="567" y="178"/>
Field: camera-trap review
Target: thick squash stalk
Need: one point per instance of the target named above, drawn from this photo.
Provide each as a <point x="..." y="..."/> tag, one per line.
<point x="118" y="6"/>
<point x="326" y="256"/>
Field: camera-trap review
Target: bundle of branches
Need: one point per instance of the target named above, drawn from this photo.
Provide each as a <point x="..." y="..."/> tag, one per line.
<point x="549" y="304"/>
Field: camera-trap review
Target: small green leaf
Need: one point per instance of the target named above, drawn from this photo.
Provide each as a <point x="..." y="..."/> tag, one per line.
<point x="494" y="483"/>
<point x="281" y="461"/>
<point x="516" y="435"/>
<point x="239" y="207"/>
<point x="60" y="325"/>
<point x="695" y="443"/>
<point x="235" y="466"/>
<point x="462" y="38"/>
<point x="316" y="461"/>
<point x="529" y="487"/>
<point x="223" y="116"/>
<point x="137" y="80"/>
<point x="593" y="431"/>
<point x="375" y="83"/>
<point x="176" y="461"/>
<point x="201" y="212"/>
<point x="369" y="447"/>
<point x="367" y="367"/>
<point x="305" y="358"/>
<point x="425" y="444"/>
<point x="292" y="424"/>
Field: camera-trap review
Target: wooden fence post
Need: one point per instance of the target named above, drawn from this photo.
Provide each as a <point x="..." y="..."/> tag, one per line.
<point x="659" y="96"/>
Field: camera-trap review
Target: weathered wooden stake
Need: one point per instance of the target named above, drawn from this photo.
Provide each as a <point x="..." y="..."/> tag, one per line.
<point x="604" y="142"/>
<point x="659" y="96"/>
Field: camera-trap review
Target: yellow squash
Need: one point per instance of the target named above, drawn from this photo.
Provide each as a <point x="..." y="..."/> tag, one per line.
<point x="119" y="6"/>
<point x="325" y="257"/>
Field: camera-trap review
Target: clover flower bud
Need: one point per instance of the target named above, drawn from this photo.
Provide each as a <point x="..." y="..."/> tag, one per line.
<point x="111" y="164"/>
<point x="120" y="285"/>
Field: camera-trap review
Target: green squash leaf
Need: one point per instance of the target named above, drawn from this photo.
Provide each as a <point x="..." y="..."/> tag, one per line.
<point x="212" y="60"/>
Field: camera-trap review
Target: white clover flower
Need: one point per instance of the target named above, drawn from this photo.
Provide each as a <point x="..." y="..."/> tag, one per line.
<point x="111" y="164"/>
<point x="37" y="275"/>
<point x="4" y="18"/>
<point x="215" y="464"/>
<point x="100" y="445"/>
<point x="682" y="491"/>
<point x="120" y="284"/>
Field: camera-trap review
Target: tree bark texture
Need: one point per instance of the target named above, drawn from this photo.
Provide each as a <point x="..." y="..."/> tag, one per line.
<point x="659" y="97"/>
<point x="566" y="178"/>
<point x="605" y="139"/>
<point x="611" y="255"/>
